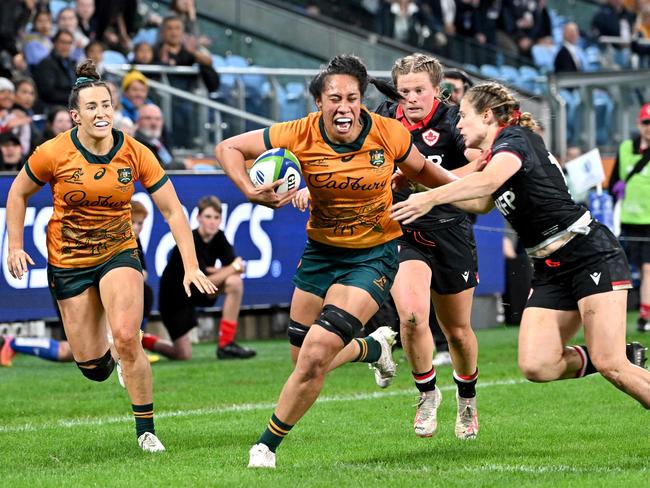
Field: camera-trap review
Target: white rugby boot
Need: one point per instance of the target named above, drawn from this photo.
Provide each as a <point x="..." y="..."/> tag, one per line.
<point x="148" y="442"/>
<point x="385" y="367"/>
<point x="260" y="456"/>
<point x="426" y="413"/>
<point x="466" y="418"/>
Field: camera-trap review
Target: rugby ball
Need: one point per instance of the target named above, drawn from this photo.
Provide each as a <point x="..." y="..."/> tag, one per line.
<point x="276" y="164"/>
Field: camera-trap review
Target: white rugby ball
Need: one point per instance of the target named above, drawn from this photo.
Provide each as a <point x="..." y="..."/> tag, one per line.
<point x="275" y="164"/>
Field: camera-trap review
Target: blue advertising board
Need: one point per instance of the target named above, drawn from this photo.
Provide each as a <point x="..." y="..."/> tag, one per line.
<point x="270" y="241"/>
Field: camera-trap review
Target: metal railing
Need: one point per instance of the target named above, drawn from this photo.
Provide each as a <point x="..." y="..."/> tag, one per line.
<point x="627" y="89"/>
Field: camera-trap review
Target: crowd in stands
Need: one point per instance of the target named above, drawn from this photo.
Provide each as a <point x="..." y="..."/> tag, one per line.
<point x="42" y="41"/>
<point x="40" y="47"/>
<point x="510" y="26"/>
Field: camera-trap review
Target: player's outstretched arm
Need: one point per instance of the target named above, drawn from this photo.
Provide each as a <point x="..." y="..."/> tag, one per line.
<point x="232" y="155"/>
<point x="167" y="202"/>
<point x="21" y="189"/>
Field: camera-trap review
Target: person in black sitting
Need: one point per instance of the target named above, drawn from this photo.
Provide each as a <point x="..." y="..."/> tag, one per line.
<point x="178" y="311"/>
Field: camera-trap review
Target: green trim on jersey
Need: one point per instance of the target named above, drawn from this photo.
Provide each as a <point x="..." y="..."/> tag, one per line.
<point x="31" y="175"/>
<point x="157" y="186"/>
<point x="355" y="145"/>
<point x="118" y="138"/>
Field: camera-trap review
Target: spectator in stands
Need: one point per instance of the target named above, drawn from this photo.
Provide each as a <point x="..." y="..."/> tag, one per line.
<point x="641" y="37"/>
<point x="95" y="50"/>
<point x="37" y="44"/>
<point x="85" y="10"/>
<point x="116" y="23"/>
<point x="58" y="120"/>
<point x="135" y="91"/>
<point x="120" y="120"/>
<point x="11" y="152"/>
<point x="405" y="21"/>
<point x="67" y="20"/>
<point x="143" y="53"/>
<point x="524" y="23"/>
<point x="439" y="16"/>
<point x="14" y="15"/>
<point x="178" y="311"/>
<point x="455" y="84"/>
<point x="54" y="76"/>
<point x="186" y="11"/>
<point x="24" y="99"/>
<point x="478" y="21"/>
<point x="614" y="20"/>
<point x="174" y="49"/>
<point x="149" y="131"/>
<point x="630" y="183"/>
<point x="12" y="120"/>
<point x="570" y="58"/>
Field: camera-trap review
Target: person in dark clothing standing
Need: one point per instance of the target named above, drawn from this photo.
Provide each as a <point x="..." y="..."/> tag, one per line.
<point x="55" y="75"/>
<point x="178" y="311"/>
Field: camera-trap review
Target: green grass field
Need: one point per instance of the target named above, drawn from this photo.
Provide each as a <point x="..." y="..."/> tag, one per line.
<point x="58" y="429"/>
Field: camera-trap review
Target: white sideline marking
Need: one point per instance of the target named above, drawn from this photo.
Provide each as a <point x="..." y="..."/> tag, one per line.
<point x="243" y="407"/>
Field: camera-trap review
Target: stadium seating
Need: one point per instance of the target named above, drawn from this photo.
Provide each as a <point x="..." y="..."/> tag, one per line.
<point x="114" y="57"/>
<point x="544" y="57"/>
<point x="291" y="98"/>
<point x="509" y="74"/>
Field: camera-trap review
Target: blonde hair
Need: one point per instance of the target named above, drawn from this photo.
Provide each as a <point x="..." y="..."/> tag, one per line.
<point x="504" y="106"/>
<point x="418" y="63"/>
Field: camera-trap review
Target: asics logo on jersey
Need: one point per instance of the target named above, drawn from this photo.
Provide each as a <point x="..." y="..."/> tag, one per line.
<point x="505" y="203"/>
<point x="552" y="264"/>
<point x="347" y="159"/>
<point x="100" y="173"/>
<point x="596" y="277"/>
<point x="430" y="137"/>
<point x="381" y="282"/>
<point x="465" y="276"/>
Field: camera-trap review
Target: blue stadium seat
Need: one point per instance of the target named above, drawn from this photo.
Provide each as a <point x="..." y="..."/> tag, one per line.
<point x="57" y="5"/>
<point x="471" y="68"/>
<point x="509" y="74"/>
<point x="114" y="57"/>
<point x="291" y="98"/>
<point x="544" y="57"/>
<point x="148" y="35"/>
<point x="491" y="71"/>
<point x="528" y="76"/>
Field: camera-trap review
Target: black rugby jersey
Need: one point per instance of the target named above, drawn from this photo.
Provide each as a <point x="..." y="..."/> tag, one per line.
<point x="535" y="200"/>
<point x="437" y="138"/>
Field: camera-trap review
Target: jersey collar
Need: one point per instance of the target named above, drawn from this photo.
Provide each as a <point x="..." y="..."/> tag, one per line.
<point x="399" y="115"/>
<point x="118" y="140"/>
<point x="354" y="145"/>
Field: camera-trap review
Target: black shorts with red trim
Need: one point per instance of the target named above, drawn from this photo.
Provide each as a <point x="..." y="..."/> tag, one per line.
<point x="449" y="252"/>
<point x="586" y="265"/>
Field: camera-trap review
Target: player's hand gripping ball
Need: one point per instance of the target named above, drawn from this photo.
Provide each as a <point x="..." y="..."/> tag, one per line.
<point x="275" y="164"/>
